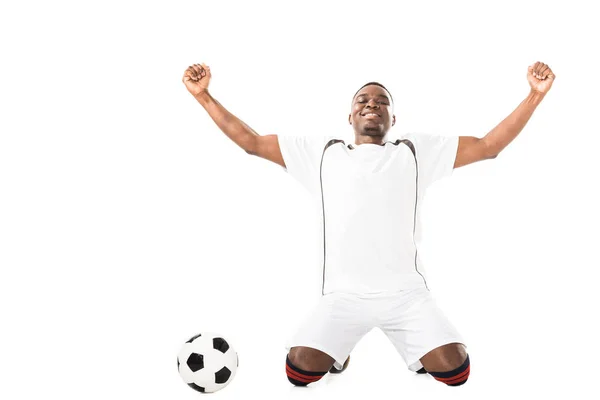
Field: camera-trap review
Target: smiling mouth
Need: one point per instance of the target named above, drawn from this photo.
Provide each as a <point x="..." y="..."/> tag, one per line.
<point x="371" y="115"/>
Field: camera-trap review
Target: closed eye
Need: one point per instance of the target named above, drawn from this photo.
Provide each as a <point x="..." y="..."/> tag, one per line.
<point x="362" y="100"/>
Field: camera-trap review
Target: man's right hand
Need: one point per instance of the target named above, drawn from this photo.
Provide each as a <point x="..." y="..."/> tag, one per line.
<point x="196" y="78"/>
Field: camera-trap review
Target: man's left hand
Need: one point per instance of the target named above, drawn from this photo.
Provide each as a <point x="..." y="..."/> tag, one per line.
<point x="540" y="77"/>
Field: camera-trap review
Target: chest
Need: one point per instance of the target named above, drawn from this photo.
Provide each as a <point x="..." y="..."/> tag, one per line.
<point x="364" y="177"/>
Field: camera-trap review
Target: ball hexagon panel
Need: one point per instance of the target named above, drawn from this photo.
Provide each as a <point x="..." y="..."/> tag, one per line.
<point x="196" y="387"/>
<point x="222" y="375"/>
<point x="195" y="361"/>
<point x="220" y="344"/>
<point x="194" y="338"/>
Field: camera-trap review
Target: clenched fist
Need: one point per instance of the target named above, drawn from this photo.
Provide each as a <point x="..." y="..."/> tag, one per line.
<point x="196" y="78"/>
<point x="540" y="77"/>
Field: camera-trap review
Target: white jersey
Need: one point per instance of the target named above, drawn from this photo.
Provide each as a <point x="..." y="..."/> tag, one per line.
<point x="368" y="200"/>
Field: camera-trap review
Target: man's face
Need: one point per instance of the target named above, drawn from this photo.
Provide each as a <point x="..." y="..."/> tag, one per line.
<point x="371" y="113"/>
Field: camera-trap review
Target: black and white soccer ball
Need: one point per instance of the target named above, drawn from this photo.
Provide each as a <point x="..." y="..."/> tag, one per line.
<point x="207" y="363"/>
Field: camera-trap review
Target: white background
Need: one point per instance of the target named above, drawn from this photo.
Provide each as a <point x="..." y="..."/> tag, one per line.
<point x="129" y="222"/>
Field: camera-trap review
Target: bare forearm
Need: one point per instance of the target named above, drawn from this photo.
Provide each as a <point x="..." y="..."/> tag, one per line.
<point x="505" y="132"/>
<point x="232" y="126"/>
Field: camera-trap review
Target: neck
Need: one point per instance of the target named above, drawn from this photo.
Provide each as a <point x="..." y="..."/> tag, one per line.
<point x="365" y="139"/>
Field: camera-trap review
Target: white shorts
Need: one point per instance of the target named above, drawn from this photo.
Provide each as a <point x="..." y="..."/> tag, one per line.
<point x="410" y="319"/>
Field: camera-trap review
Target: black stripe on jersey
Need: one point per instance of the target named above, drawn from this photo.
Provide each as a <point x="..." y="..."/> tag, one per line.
<point x="332" y="141"/>
<point x="410" y="145"/>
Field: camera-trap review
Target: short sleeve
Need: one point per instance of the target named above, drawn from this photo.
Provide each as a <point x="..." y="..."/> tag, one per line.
<point x="302" y="158"/>
<point x="436" y="155"/>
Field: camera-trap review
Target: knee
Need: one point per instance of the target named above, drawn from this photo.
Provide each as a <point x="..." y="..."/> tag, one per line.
<point x="455" y="377"/>
<point x="300" y="370"/>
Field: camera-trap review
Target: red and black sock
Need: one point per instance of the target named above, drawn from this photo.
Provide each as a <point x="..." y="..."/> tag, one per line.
<point x="455" y="377"/>
<point x="300" y="377"/>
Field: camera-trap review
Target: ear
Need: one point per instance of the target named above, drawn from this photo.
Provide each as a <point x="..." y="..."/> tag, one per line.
<point x="393" y="120"/>
<point x="350" y="118"/>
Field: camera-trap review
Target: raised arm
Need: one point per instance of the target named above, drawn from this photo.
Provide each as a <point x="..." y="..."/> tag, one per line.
<point x="472" y="149"/>
<point x="196" y="79"/>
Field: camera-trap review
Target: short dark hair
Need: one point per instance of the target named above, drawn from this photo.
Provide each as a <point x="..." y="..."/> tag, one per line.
<point x="374" y="83"/>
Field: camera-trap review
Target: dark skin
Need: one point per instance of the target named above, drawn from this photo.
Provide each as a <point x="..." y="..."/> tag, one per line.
<point x="373" y="129"/>
<point x="441" y="359"/>
<point x="372" y="117"/>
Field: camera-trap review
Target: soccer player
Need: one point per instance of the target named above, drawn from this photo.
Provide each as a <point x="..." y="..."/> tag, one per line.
<point x="369" y="195"/>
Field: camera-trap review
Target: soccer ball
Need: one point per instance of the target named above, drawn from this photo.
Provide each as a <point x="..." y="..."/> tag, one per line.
<point x="207" y="363"/>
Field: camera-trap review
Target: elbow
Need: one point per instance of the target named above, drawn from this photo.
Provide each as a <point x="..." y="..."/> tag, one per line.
<point x="489" y="151"/>
<point x="249" y="146"/>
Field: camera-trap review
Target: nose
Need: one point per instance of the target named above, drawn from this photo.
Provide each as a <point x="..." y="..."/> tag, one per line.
<point x="372" y="104"/>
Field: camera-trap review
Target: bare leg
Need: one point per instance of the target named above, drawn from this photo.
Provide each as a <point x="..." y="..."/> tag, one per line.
<point x="310" y="359"/>
<point x="448" y="364"/>
<point x="444" y="358"/>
